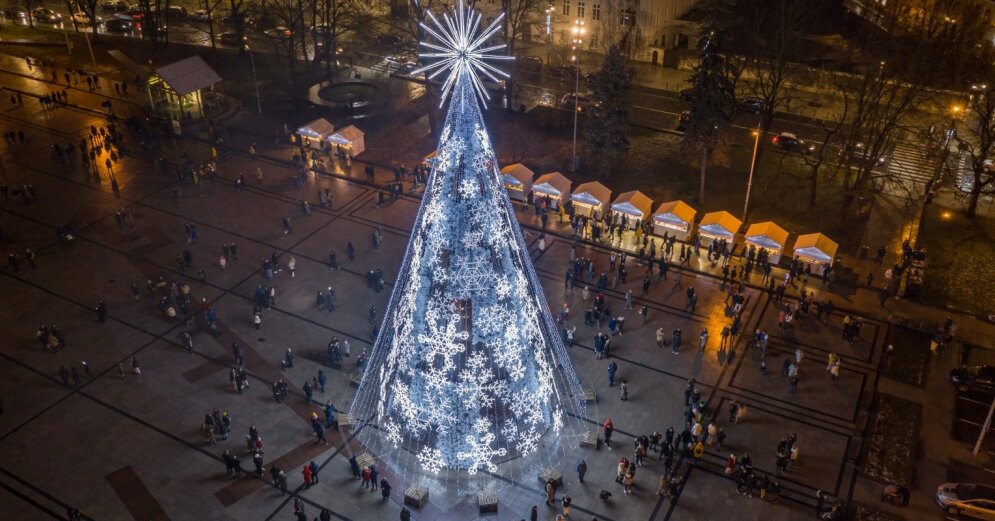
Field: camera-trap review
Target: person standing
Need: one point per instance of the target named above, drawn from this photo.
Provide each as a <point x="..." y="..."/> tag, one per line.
<point x="406" y="514"/>
<point x="703" y="340"/>
<point x="609" y="428"/>
<point x="676" y="346"/>
<point x="612" y="369"/>
<point x="354" y="466"/>
<point x="550" y="492"/>
<point x="565" y="501"/>
<point x="534" y="513"/>
<point x="581" y="470"/>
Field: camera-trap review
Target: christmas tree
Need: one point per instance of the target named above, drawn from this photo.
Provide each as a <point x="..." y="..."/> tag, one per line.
<point x="468" y="371"/>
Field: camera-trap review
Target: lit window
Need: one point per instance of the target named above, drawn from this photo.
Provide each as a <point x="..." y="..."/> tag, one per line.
<point x="580" y="9"/>
<point x="566" y="7"/>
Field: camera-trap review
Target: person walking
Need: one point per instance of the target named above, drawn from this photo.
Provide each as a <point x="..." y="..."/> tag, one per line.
<point x="703" y="340"/>
<point x="565" y="501"/>
<point x="612" y="369"/>
<point x="581" y="470"/>
<point x="676" y="345"/>
<point x="534" y="513"/>
<point x="550" y="492"/>
<point x="609" y="428"/>
<point x="354" y="466"/>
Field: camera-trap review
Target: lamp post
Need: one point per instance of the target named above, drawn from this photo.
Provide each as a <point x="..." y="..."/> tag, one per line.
<point x="753" y="166"/>
<point x="255" y="82"/>
<point x="577" y="32"/>
<point x="549" y="22"/>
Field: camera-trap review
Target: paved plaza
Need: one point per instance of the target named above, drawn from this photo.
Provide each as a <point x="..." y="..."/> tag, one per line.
<point x="132" y="447"/>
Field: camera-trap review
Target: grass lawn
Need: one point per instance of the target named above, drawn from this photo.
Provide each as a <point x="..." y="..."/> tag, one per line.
<point x="909" y="361"/>
<point x="891" y="447"/>
<point x="960" y="265"/>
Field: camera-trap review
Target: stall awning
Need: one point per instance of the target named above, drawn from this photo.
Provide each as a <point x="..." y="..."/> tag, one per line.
<point x="634" y="203"/>
<point x="592" y="193"/>
<point x="816" y="246"/>
<point x="719" y="224"/>
<point x="188" y="75"/>
<point x="676" y="212"/>
<point x="767" y="235"/>
<point x="553" y="183"/>
<point x="345" y="135"/>
<point x="317" y="129"/>
<point x="517" y="174"/>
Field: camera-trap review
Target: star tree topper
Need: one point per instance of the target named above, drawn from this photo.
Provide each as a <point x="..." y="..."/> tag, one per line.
<point x="460" y="50"/>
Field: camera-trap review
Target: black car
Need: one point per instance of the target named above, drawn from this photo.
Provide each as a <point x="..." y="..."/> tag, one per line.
<point x="564" y="71"/>
<point x="974" y="378"/>
<point x="118" y="25"/>
<point x="15" y="14"/>
<point x="791" y="143"/>
<point x="528" y="63"/>
<point x="392" y="40"/>
<point x="685" y="94"/>
<point x="46" y="16"/>
<point x="750" y="105"/>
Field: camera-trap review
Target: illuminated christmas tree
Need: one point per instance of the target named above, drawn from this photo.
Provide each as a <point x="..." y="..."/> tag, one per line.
<point x="468" y="371"/>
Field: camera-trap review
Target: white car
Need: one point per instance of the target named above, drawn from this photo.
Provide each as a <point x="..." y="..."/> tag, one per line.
<point x="82" y="18"/>
<point x="967" y="499"/>
<point x="200" y="15"/>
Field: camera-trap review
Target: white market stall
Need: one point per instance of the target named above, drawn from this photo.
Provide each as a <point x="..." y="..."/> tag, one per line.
<point x="815" y="249"/>
<point x="350" y="139"/>
<point x="517" y="179"/>
<point x="554" y="187"/>
<point x="769" y="236"/>
<point x="674" y="218"/>
<point x="715" y="226"/>
<point x="429" y="160"/>
<point x="590" y="199"/>
<point x="632" y="206"/>
<point x="316" y="131"/>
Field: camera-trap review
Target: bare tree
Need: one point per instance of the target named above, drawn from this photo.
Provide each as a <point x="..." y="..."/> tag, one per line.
<point x="976" y="139"/>
<point x="519" y="14"/>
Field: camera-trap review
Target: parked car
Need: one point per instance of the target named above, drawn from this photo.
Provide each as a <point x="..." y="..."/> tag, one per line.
<point x="177" y="11"/>
<point x="46" y="16"/>
<point x="974" y="378"/>
<point x="392" y="40"/>
<point x="581" y="102"/>
<point x="967" y="499"/>
<point x="279" y="32"/>
<point x="750" y="105"/>
<point x="15" y="14"/>
<point x="789" y="142"/>
<point x="114" y="6"/>
<point x="529" y="63"/>
<point x="860" y="154"/>
<point x="135" y="15"/>
<point x="685" y="94"/>
<point x="82" y="18"/>
<point x="564" y="71"/>
<point x="230" y="38"/>
<point x="200" y="15"/>
<point x="119" y="25"/>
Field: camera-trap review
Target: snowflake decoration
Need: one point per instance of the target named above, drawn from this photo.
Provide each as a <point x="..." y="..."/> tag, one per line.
<point x="480" y="453"/>
<point x="528" y="442"/>
<point x="431" y="459"/>
<point x="461" y="50"/>
<point x="472" y="276"/>
<point x="393" y="432"/>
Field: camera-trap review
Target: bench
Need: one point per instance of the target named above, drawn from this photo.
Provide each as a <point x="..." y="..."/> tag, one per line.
<point x="356" y="379"/>
<point x="589" y="395"/>
<point x="591" y="439"/>
<point x="487" y="501"/>
<point x="365" y="460"/>
<point x="551" y="474"/>
<point x="343" y="420"/>
<point x="416" y="496"/>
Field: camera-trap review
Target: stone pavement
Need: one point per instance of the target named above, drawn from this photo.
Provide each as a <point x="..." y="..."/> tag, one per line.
<point x="119" y="449"/>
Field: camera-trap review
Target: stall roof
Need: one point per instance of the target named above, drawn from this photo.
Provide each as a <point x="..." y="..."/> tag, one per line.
<point x="188" y="75"/>
<point x="722" y="223"/>
<point x="816" y="246"/>
<point x="633" y="203"/>
<point x="317" y="129"/>
<point x="517" y="174"/>
<point x="767" y="234"/>
<point x="553" y="183"/>
<point x="593" y="193"/>
<point x="346" y="135"/>
<point x="675" y="211"/>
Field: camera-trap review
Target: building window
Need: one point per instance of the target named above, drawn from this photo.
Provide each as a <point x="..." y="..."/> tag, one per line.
<point x="596" y="12"/>
<point x="580" y="9"/>
<point x="566" y="7"/>
<point x="594" y="42"/>
<point x="627" y="18"/>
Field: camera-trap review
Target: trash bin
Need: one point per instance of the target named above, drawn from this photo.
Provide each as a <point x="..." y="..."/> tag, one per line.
<point x="864" y="252"/>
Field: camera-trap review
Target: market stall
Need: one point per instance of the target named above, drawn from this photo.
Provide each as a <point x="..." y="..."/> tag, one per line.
<point x="316" y="131"/>
<point x="769" y="236"/>
<point x="517" y="179"/>
<point x="633" y="207"/>
<point x="348" y="140"/>
<point x="674" y="219"/>
<point x="815" y="249"/>
<point x="590" y="199"/>
<point x="554" y="187"/>
<point x="429" y="160"/>
<point x="716" y="226"/>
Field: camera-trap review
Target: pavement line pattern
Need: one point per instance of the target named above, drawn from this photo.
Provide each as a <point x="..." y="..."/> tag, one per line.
<point x="135" y="495"/>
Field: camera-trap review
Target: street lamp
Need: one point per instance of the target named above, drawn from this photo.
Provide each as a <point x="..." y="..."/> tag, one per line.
<point x="577" y="38"/>
<point x="753" y="166"/>
<point x="549" y="21"/>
